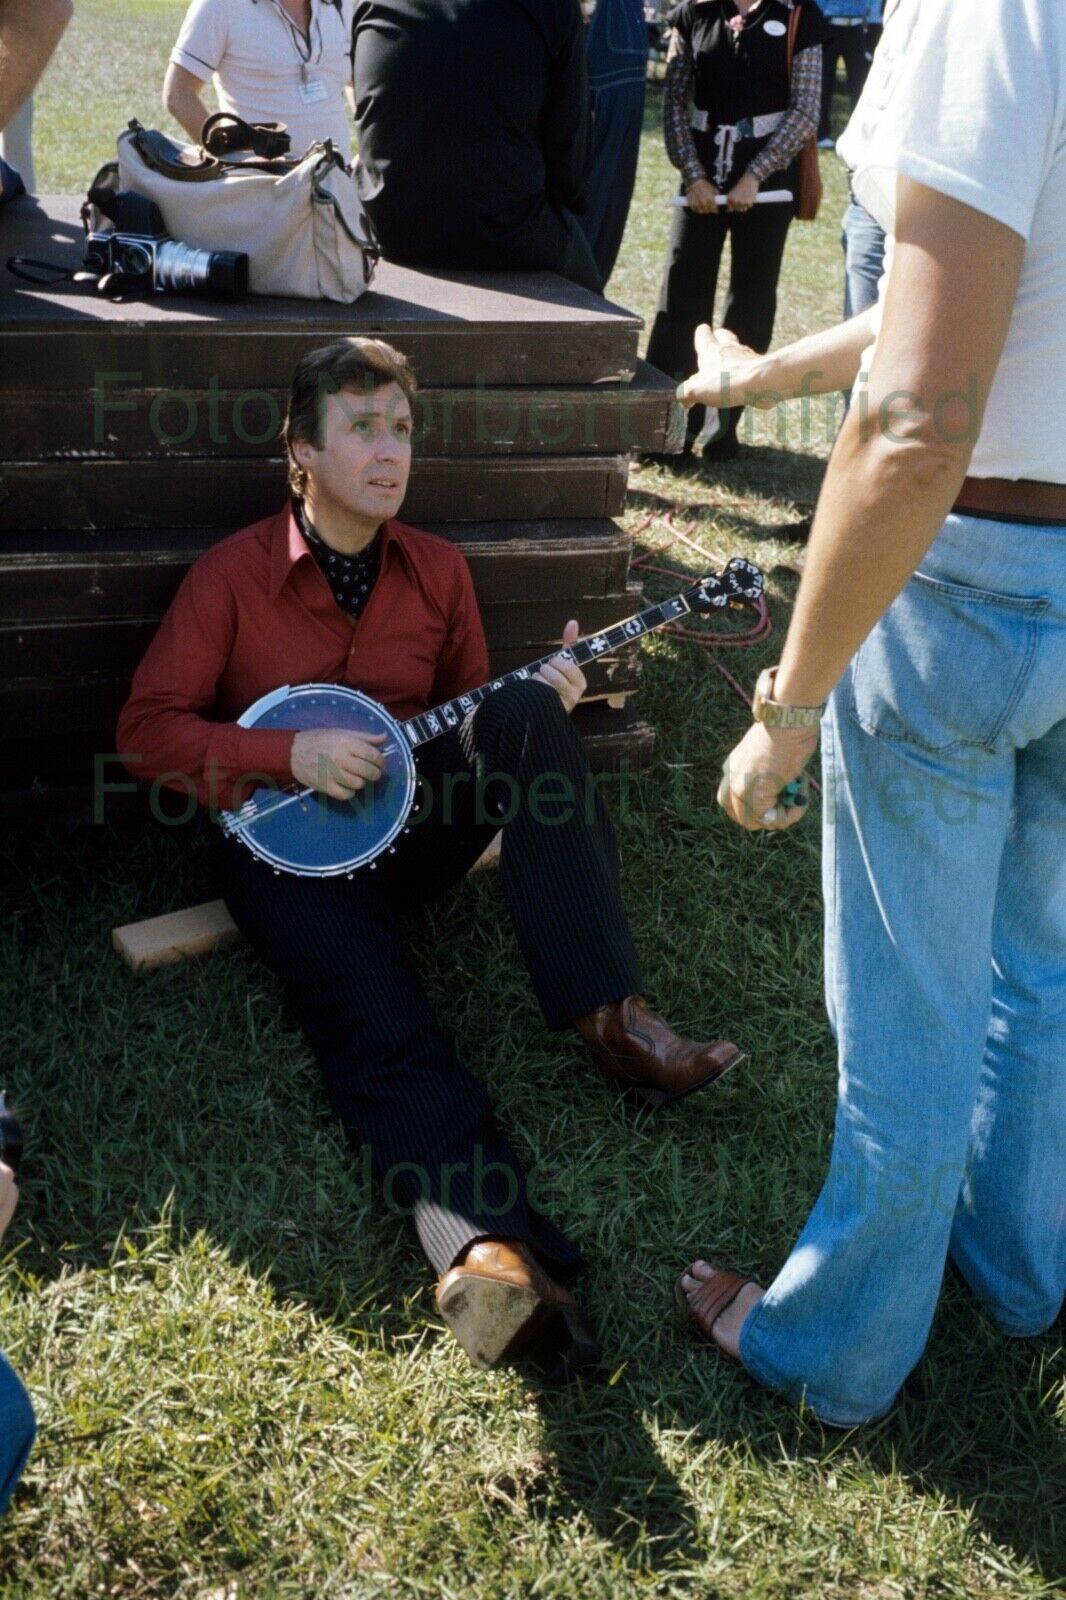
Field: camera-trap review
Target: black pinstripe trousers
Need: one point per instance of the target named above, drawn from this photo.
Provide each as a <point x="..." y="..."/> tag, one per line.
<point x="389" y="1070"/>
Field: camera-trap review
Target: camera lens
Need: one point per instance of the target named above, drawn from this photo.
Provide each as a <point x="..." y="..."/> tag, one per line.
<point x="182" y="266"/>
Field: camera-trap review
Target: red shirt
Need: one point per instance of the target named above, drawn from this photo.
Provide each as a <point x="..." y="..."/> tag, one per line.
<point x="256" y="612"/>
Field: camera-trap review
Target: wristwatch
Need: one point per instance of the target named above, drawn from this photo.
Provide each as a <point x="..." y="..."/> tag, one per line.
<point x="765" y="709"/>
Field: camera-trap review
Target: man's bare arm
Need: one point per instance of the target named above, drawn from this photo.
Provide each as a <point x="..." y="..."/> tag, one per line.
<point x="182" y="97"/>
<point x="895" y="473"/>
<point x="729" y="374"/>
<point x="29" y="33"/>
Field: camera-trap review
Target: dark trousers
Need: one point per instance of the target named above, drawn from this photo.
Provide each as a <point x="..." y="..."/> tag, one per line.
<point x="847" y="45"/>
<point x="617" y="121"/>
<point x="686" y="298"/>
<point x="390" y="1072"/>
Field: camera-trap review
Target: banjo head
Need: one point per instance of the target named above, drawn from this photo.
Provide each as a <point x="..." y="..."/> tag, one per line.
<point x="312" y="835"/>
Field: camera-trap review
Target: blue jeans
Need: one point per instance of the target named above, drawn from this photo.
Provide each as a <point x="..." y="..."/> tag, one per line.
<point x="863" y="240"/>
<point x="944" y="873"/>
<point x="18" y="1429"/>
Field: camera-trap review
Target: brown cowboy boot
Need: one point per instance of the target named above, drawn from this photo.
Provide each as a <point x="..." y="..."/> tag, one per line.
<point x="502" y="1306"/>
<point x="636" y="1049"/>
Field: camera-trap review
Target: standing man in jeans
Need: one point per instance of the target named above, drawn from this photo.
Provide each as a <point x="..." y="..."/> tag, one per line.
<point x="847" y="41"/>
<point x="17" y="1425"/>
<point x="932" y="617"/>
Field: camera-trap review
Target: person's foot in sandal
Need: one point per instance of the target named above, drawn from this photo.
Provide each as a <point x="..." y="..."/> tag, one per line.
<point x="717" y="1301"/>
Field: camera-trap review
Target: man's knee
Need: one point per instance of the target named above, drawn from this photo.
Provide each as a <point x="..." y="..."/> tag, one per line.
<point x="528" y="701"/>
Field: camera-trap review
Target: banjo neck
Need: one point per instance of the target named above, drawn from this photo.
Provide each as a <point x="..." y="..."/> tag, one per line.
<point x="428" y="725"/>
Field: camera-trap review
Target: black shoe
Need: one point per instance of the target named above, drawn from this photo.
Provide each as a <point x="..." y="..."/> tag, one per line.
<point x="724" y="448"/>
<point x="721" y="448"/>
<point x="662" y="458"/>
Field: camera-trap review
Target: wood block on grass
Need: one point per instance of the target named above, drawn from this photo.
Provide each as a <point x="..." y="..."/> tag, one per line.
<point x="159" y="940"/>
<point x="197" y="930"/>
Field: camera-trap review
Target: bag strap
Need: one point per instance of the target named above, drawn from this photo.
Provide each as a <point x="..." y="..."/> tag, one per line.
<point x="321" y="195"/>
<point x="32" y="270"/>
<point x="172" y="160"/>
<point x="223" y="133"/>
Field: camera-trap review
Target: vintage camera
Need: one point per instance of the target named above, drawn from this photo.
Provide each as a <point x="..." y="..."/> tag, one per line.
<point x="10" y="1134"/>
<point x="138" y="253"/>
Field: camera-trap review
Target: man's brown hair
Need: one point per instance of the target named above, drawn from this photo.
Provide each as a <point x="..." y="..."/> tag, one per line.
<point x="362" y="365"/>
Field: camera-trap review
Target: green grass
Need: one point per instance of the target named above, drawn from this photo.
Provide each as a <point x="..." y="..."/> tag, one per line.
<point x="242" y="1385"/>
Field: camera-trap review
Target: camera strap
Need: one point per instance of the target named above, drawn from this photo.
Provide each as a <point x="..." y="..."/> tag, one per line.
<point x="45" y="273"/>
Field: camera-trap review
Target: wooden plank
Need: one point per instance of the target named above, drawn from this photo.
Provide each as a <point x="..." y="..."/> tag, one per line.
<point x="133" y="573"/>
<point x="528" y="328"/>
<point x="29" y="650"/>
<point x="158" y="941"/>
<point x="119" y="419"/>
<point x="201" y="493"/>
<point x="33" y="794"/>
<point x="64" y="706"/>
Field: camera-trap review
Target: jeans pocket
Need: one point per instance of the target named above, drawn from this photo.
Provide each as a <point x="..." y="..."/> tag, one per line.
<point x="946" y="666"/>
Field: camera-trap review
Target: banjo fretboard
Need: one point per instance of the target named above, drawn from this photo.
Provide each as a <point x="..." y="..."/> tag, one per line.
<point x="429" y="724"/>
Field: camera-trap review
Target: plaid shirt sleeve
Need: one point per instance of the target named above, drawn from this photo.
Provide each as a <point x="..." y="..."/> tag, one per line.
<point x="677" y="97"/>
<point x="799" y="121"/>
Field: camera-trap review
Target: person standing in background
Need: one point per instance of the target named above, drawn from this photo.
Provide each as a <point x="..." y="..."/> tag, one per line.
<point x="16" y="145"/>
<point x="474" y="133"/>
<point x="271" y="61"/>
<point x="847" y="21"/>
<point x="30" y="30"/>
<point x="862" y="236"/>
<point x="617" y="47"/>
<point x="751" y="117"/>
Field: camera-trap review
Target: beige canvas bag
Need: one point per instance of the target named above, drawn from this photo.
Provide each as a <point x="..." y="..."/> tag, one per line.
<point x="299" y="220"/>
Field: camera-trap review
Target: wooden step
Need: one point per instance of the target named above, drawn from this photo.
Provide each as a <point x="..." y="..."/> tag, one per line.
<point x="458" y="328"/>
<point x="115" y="418"/>
<point x="30" y="649"/>
<point x="75" y="574"/>
<point x="201" y="493"/>
<point x="31" y="796"/>
<point x="54" y="707"/>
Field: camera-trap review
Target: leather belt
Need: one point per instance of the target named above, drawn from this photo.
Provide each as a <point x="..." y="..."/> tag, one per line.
<point x="1013" y="500"/>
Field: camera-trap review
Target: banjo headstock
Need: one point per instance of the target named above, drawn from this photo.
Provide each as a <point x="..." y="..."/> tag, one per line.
<point x="739" y="584"/>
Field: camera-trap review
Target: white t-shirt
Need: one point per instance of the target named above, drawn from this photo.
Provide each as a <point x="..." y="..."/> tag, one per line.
<point x="968" y="97"/>
<point x="263" y="69"/>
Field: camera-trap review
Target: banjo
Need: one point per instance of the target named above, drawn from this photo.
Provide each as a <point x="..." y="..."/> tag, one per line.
<point x="303" y="831"/>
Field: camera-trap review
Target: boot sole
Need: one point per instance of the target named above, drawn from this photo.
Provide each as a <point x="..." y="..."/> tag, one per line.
<point x="497" y="1323"/>
<point x="653" y="1098"/>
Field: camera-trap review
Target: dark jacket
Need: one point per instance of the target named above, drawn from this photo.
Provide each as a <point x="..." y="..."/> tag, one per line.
<point x="473" y="119"/>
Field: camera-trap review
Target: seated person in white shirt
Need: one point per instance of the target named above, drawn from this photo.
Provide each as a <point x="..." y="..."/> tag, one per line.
<point x="271" y="61"/>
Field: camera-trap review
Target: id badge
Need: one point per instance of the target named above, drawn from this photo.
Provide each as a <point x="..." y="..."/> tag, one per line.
<point x="312" y="91"/>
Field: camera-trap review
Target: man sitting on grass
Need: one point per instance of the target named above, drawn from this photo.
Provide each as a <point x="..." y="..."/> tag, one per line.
<point x="332" y="589"/>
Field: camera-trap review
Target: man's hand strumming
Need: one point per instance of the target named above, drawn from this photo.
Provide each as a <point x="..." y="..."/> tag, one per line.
<point x="335" y="761"/>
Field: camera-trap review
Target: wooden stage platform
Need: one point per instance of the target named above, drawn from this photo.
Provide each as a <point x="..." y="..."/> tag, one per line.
<point x="137" y="434"/>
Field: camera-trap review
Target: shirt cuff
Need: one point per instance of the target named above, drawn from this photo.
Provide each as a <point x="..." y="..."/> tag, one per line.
<point x="199" y="69"/>
<point x="692" y="173"/>
<point x="241" y="760"/>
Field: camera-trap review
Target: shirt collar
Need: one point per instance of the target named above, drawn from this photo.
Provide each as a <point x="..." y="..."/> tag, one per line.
<point x="289" y="547"/>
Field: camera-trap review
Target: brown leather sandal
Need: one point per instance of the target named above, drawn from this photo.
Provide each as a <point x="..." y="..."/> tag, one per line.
<point x="714" y="1295"/>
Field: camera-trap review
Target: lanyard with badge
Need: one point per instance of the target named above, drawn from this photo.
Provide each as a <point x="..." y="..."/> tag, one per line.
<point x="312" y="87"/>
